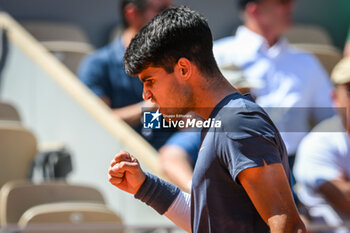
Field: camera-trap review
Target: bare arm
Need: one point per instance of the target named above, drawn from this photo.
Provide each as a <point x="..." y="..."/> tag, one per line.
<point x="269" y="191"/>
<point x="176" y="165"/>
<point x="180" y="211"/>
<point x="126" y="174"/>
<point x="337" y="193"/>
<point x="131" y="114"/>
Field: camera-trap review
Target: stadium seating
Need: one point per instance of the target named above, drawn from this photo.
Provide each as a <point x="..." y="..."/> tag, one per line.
<point x="67" y="42"/>
<point x="18" y="147"/>
<point x="70" y="53"/>
<point x="328" y="55"/>
<point x="18" y="196"/>
<point x="55" y="31"/>
<point x="8" y="112"/>
<point x="75" y="217"/>
<point x="306" y="33"/>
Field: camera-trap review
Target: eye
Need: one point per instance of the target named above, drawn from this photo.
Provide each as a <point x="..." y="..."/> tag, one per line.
<point x="149" y="82"/>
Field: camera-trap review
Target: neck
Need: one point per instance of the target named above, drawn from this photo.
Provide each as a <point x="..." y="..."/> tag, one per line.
<point x="127" y="36"/>
<point x="213" y="92"/>
<point x="268" y="34"/>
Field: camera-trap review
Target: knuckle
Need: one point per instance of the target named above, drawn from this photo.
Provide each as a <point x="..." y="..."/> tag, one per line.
<point x="122" y="165"/>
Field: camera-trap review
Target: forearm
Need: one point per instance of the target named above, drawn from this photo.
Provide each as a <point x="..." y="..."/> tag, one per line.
<point x="180" y="211"/>
<point x="130" y="114"/>
<point x="176" y="166"/>
<point x="286" y="224"/>
<point x="180" y="176"/>
<point x="166" y="199"/>
<point x="337" y="193"/>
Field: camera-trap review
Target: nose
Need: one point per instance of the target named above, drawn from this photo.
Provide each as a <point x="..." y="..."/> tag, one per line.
<point x="146" y="95"/>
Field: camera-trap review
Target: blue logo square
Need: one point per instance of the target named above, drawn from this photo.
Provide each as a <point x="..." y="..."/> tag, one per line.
<point x="151" y="120"/>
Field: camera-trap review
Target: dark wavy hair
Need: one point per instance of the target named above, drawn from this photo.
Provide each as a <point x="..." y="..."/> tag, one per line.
<point x="174" y="33"/>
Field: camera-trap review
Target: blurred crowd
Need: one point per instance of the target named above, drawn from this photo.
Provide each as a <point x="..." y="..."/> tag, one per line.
<point x="309" y="105"/>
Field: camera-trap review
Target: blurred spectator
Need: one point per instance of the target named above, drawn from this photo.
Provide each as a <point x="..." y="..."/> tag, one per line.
<point x="292" y="82"/>
<point x="103" y="71"/>
<point x="347" y="45"/>
<point x="322" y="167"/>
<point x="178" y="157"/>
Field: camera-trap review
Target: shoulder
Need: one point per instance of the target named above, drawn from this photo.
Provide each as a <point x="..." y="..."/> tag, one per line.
<point x="100" y="55"/>
<point x="96" y="62"/>
<point x="242" y="118"/>
<point x="109" y="53"/>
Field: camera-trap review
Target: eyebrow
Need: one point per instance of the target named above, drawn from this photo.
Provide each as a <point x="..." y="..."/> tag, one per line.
<point x="143" y="79"/>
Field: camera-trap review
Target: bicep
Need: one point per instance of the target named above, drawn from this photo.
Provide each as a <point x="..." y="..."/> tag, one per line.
<point x="268" y="188"/>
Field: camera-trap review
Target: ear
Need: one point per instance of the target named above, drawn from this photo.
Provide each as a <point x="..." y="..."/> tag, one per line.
<point x="131" y="14"/>
<point x="251" y="9"/>
<point x="184" y="68"/>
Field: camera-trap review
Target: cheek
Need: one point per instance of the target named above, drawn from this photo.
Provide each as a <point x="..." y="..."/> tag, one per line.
<point x="276" y="15"/>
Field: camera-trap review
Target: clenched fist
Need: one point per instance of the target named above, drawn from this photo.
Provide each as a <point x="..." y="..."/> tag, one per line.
<point x="125" y="173"/>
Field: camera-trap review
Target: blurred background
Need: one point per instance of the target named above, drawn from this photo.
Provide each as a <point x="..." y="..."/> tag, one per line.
<point x="99" y="18"/>
<point x="54" y="131"/>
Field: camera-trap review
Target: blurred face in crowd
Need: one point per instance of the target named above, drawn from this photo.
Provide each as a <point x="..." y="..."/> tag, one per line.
<point x="138" y="17"/>
<point x="274" y="15"/>
<point x="341" y="99"/>
<point x="154" y="7"/>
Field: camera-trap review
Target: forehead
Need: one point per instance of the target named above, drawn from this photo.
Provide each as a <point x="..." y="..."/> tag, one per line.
<point x="151" y="71"/>
<point x="344" y="86"/>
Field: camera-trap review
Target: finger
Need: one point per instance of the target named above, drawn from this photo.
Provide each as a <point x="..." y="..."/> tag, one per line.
<point x="121" y="156"/>
<point x="124" y="166"/>
<point x="116" y="174"/>
<point x="115" y="181"/>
